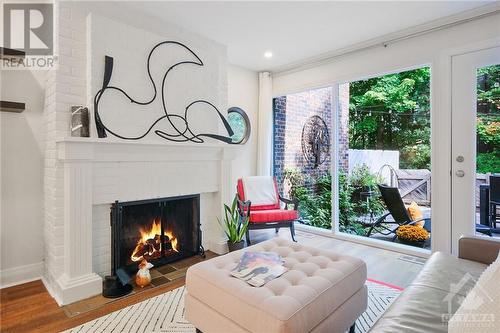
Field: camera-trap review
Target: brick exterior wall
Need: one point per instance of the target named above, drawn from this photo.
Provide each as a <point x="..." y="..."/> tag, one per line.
<point x="290" y="114"/>
<point x="344" y="127"/>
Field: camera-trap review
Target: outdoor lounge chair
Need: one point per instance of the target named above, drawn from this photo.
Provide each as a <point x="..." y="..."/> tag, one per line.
<point x="395" y="206"/>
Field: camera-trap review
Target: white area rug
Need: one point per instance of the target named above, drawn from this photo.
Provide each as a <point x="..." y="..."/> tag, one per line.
<point x="165" y="313"/>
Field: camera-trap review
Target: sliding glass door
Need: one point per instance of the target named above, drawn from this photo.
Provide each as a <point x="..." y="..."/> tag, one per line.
<point x="382" y="158"/>
<point x="357" y="156"/>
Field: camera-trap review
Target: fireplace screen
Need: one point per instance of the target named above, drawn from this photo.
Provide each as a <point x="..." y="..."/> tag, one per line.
<point x="158" y="230"/>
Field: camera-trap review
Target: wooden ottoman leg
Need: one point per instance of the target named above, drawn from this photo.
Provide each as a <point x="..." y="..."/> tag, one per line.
<point x="198" y="331"/>
<point x="352" y="329"/>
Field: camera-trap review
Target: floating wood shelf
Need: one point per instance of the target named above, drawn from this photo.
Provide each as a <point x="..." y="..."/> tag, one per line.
<point x="6" y="106"/>
<point x="10" y="53"/>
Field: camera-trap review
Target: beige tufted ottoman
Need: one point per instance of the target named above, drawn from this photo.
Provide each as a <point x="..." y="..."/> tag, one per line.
<point x="323" y="291"/>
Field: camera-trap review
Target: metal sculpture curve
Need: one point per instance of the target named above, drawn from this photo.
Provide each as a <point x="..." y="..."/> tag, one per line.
<point x="181" y="134"/>
<point x="315" y="141"/>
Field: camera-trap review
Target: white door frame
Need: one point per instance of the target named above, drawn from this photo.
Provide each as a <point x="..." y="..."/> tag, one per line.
<point x="442" y="186"/>
<point x="463" y="85"/>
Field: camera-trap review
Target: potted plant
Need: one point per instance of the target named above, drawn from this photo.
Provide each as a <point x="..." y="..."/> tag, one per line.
<point x="234" y="226"/>
<point x="412" y="235"/>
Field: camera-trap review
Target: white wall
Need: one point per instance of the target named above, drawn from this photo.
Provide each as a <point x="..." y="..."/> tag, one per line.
<point x="130" y="47"/>
<point x="22" y="144"/>
<point x="243" y="92"/>
<point x="430" y="49"/>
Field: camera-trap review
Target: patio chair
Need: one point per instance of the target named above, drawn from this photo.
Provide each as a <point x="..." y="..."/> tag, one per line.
<point x="396" y="208"/>
<point x="494" y="198"/>
<point x="258" y="198"/>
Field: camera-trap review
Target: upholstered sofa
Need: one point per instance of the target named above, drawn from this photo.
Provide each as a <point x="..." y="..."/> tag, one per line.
<point x="435" y="295"/>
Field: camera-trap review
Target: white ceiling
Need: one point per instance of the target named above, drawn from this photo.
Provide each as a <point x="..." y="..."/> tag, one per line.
<point x="295" y="31"/>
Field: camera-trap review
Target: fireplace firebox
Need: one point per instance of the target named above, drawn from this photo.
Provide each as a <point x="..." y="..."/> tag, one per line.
<point x="158" y="230"/>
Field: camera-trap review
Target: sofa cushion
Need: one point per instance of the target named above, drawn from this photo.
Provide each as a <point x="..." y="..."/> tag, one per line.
<point x="316" y="284"/>
<point x="428" y="303"/>
<point x="273" y="215"/>
<point x="415" y="213"/>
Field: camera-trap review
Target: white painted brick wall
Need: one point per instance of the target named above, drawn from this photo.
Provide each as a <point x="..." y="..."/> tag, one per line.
<point x="101" y="240"/>
<point x="68" y="86"/>
<point x="65" y="87"/>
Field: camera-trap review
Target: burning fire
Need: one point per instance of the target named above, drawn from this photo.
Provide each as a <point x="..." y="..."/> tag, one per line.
<point x="149" y="245"/>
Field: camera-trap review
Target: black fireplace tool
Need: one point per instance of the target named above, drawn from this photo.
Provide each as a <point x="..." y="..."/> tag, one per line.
<point x="117" y="285"/>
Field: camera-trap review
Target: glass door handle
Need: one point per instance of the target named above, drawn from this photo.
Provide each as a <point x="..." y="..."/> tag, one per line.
<point x="460" y="173"/>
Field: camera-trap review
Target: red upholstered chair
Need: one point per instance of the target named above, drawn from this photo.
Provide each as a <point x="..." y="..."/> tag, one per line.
<point x="259" y="198"/>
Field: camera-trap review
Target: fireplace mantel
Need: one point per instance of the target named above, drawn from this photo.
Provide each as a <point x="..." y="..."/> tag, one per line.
<point x="100" y="171"/>
<point x="109" y="149"/>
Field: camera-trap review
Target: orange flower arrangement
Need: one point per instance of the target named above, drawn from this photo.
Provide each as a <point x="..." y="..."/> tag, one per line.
<point x="412" y="233"/>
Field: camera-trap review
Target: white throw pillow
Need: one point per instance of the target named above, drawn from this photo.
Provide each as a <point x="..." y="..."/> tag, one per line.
<point x="480" y="310"/>
<point x="260" y="190"/>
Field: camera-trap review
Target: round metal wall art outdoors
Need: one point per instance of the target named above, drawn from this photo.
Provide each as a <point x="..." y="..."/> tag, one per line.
<point x="315" y="141"/>
<point x="240" y="124"/>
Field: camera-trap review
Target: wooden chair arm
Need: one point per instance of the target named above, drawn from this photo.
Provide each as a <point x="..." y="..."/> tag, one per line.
<point x="294" y="202"/>
<point x="244" y="207"/>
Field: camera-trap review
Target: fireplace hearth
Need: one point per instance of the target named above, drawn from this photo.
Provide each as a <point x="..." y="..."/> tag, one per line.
<point x="159" y="231"/>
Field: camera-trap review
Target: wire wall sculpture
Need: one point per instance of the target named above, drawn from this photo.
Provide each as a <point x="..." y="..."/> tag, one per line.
<point x="183" y="132"/>
<point x="315" y="141"/>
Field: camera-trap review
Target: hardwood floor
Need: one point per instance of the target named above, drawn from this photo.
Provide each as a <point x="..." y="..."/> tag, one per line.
<point x="29" y="307"/>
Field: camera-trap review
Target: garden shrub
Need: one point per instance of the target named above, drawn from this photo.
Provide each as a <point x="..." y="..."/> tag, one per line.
<point x="316" y="206"/>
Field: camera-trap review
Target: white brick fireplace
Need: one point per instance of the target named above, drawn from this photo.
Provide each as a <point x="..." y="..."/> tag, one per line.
<point x="83" y="176"/>
<point x="98" y="172"/>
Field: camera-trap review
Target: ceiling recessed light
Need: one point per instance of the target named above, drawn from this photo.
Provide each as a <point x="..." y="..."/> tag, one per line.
<point x="268" y="54"/>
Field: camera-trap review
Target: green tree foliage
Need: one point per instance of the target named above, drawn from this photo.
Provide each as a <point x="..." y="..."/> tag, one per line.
<point x="392" y="112"/>
<point x="488" y="119"/>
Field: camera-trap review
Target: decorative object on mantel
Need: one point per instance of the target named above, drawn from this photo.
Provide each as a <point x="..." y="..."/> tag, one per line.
<point x="315" y="141"/>
<point x="234" y="226"/>
<point x="6" y="106"/>
<point x="240" y="123"/>
<point x="183" y="132"/>
<point x="80" y="121"/>
<point x="143" y="277"/>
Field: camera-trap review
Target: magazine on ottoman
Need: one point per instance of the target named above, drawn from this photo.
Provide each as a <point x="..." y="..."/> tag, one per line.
<point x="258" y="268"/>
